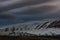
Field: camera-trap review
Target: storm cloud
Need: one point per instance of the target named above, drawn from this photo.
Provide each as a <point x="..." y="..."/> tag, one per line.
<point x="7" y="16"/>
<point x="28" y="10"/>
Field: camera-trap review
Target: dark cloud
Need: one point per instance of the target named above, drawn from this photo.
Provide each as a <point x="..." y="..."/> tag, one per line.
<point x="19" y="4"/>
<point x="28" y="10"/>
<point x="7" y="16"/>
<point x="2" y="0"/>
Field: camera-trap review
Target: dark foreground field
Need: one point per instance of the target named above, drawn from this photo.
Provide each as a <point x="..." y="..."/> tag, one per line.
<point x="29" y="38"/>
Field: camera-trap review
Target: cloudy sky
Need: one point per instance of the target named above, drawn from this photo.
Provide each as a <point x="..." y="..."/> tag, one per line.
<point x="18" y="11"/>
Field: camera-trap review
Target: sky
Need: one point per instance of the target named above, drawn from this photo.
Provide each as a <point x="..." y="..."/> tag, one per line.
<point x="20" y="11"/>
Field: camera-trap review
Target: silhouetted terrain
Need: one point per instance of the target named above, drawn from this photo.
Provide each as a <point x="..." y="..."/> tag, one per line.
<point x="29" y="38"/>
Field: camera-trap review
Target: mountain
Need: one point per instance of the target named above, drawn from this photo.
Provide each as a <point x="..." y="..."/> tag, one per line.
<point x="36" y="28"/>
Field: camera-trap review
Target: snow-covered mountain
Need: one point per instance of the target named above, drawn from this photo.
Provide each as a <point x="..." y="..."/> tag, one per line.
<point x="46" y="28"/>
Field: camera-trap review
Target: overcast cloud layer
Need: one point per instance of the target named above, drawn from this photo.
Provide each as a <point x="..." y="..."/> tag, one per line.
<point x="17" y="11"/>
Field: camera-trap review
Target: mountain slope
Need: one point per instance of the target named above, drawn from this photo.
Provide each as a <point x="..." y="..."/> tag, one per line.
<point x="32" y="28"/>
